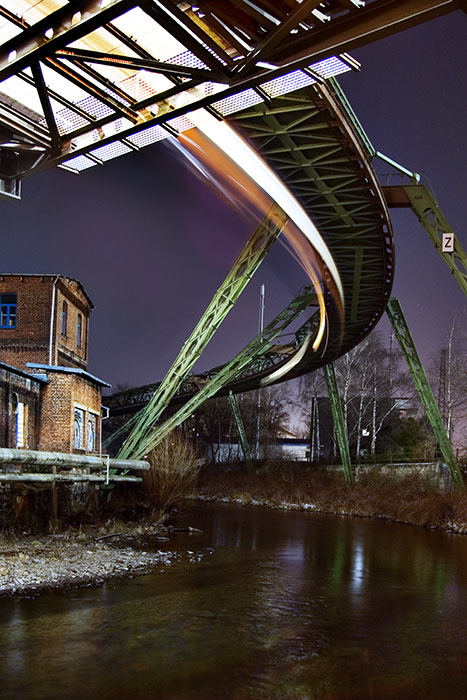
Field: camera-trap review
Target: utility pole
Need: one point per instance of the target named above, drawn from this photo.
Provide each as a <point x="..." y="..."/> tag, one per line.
<point x="258" y="402"/>
<point x="442" y="387"/>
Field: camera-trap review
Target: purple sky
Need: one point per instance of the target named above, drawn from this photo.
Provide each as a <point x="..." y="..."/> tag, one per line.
<point x="151" y="243"/>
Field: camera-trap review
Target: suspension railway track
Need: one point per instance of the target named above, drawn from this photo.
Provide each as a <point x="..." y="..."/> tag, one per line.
<point x="311" y="139"/>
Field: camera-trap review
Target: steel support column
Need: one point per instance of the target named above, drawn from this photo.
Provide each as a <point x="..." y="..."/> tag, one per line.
<point x="242" y="271"/>
<point x="257" y="352"/>
<point x="233" y="370"/>
<point x="405" y="339"/>
<point x="424" y="205"/>
<point x="240" y="428"/>
<point x="339" y="422"/>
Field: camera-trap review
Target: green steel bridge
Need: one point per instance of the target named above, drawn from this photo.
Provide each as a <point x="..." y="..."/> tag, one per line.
<point x="309" y="138"/>
<point x="85" y="81"/>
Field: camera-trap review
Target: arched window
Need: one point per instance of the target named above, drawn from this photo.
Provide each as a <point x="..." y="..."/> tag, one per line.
<point x="78" y="429"/>
<point x="19" y="422"/>
<point x="92" y="433"/>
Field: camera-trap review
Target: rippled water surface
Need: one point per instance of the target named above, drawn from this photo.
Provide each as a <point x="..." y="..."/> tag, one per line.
<point x="286" y="606"/>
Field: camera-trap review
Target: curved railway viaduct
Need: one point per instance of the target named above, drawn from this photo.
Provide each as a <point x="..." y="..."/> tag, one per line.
<point x="86" y="81"/>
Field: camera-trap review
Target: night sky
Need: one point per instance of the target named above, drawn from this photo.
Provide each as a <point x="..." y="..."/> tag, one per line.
<point x="151" y="243"/>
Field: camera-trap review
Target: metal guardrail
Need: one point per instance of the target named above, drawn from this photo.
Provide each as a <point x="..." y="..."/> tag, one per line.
<point x="43" y="466"/>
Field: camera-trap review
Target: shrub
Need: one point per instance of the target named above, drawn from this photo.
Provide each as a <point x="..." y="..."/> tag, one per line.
<point x="174" y="469"/>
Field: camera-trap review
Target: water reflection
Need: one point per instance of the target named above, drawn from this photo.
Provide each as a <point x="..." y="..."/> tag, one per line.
<point x="288" y="605"/>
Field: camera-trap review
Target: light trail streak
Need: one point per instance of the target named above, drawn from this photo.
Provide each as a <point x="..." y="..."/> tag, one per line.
<point x="242" y="177"/>
<point x="291" y="362"/>
<point x="246" y="158"/>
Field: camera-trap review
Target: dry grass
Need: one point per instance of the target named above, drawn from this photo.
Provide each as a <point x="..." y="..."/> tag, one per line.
<point x="411" y="499"/>
<point x="174" y="470"/>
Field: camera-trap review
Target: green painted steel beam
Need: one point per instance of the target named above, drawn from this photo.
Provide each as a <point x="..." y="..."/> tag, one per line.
<point x="339" y="422"/>
<point x="261" y="345"/>
<point x="352" y="117"/>
<point x="425" y="206"/>
<point x="404" y="337"/>
<point x="262" y="357"/>
<point x="304" y="136"/>
<point x="240" y="428"/>
<point x="242" y="271"/>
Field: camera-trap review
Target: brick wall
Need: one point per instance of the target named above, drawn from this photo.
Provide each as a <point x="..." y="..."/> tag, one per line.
<point x="29" y="341"/>
<point x="16" y="389"/>
<point x="67" y="351"/>
<point x="60" y="397"/>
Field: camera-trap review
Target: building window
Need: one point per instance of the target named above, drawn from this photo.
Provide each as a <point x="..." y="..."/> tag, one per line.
<point x="92" y="432"/>
<point x="78" y="434"/>
<point x="7" y="310"/>
<point x="79" y="325"/>
<point x="19" y="424"/>
<point x="64" y="317"/>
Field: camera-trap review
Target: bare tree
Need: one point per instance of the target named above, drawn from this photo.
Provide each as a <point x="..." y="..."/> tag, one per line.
<point x="451" y="374"/>
<point x="213" y="422"/>
<point x="370" y="383"/>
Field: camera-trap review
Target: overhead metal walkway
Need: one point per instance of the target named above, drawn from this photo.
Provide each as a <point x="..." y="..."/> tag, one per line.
<point x="85" y="81"/>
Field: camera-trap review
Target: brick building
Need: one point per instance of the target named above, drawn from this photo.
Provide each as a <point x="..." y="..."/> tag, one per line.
<point x="48" y="399"/>
<point x="43" y="319"/>
<point x="20" y="398"/>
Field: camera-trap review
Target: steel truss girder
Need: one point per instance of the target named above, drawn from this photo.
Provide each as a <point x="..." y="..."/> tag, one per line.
<point x="346" y="225"/>
<point x="425" y="206"/>
<point x="33" y="45"/>
<point x="227" y="374"/>
<point x="240" y="428"/>
<point x="242" y="271"/>
<point x="375" y="21"/>
<point x="130" y="62"/>
<point x="339" y="422"/>
<point x="404" y="337"/>
<point x="362" y="247"/>
<point x="351" y="25"/>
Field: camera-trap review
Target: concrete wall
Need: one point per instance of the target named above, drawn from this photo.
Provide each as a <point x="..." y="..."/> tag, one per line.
<point x="224" y="452"/>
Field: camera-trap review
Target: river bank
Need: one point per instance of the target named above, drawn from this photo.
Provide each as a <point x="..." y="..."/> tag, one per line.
<point x="410" y="499"/>
<point x="79" y="557"/>
<point x="92" y="554"/>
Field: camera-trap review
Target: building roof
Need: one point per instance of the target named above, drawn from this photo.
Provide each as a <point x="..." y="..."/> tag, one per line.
<point x="68" y="370"/>
<point x="21" y="373"/>
<point x="51" y="275"/>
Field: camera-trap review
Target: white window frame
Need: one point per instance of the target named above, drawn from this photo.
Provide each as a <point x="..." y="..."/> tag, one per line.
<point x="20" y="414"/>
<point x="82" y="410"/>
<point x="92" y="448"/>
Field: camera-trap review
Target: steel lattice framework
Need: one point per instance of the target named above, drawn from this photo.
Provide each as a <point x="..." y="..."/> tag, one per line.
<point x="84" y="81"/>
<point x="309" y="138"/>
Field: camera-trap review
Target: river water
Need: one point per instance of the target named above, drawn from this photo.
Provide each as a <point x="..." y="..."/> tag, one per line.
<point x="264" y="604"/>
